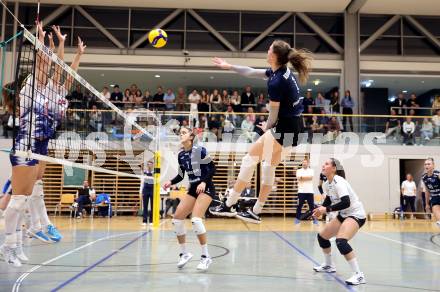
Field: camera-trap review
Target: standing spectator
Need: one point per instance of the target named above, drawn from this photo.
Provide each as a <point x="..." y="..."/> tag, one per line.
<point x="335" y="107"/>
<point x="158" y="98"/>
<point x="203" y="106"/>
<point x="105" y="92"/>
<point x="308" y="102"/>
<point x="169" y="98"/>
<point x="216" y="101"/>
<point x="261" y="102"/>
<point x="409" y="192"/>
<point x="305" y="176"/>
<point x="138" y="100"/>
<point x="436" y="103"/>
<point x="399" y="103"/>
<point x="436" y="122"/>
<point x="408" y="129"/>
<point x="128" y="99"/>
<point x="322" y="104"/>
<point x="180" y="100"/>
<point x="133" y="89"/>
<point x="347" y="109"/>
<point x="147" y="98"/>
<point x="412" y="101"/>
<point x="247" y="97"/>
<point x="426" y="132"/>
<point x="147" y="195"/>
<point x="84" y="198"/>
<point x="392" y="127"/>
<point x="194" y="99"/>
<point x="235" y="101"/>
<point x="116" y="98"/>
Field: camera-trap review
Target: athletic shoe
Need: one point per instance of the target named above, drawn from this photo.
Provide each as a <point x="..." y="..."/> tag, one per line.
<point x="204" y="263"/>
<point x="144" y="223"/>
<point x="297" y="221"/>
<point x="53" y="233"/>
<point x="20" y="254"/>
<point x="324" y="269"/>
<point x="9" y="255"/>
<point x="356" y="279"/>
<point x="315" y="221"/>
<point x="223" y="210"/>
<point x="39" y="235"/>
<point x="249" y="216"/>
<point x="184" y="258"/>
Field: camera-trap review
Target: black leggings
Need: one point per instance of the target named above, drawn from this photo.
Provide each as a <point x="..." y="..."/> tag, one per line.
<point x="302" y="198"/>
<point x="409" y="201"/>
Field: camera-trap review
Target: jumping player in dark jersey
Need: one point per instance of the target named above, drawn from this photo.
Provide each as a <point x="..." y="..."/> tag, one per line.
<point x="431" y="181"/>
<point x="195" y="161"/>
<point x="281" y="129"/>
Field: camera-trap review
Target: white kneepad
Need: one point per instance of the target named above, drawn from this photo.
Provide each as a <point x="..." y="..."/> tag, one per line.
<point x="268" y="174"/>
<point x="248" y="164"/>
<point x="198" y="226"/>
<point x="179" y="227"/>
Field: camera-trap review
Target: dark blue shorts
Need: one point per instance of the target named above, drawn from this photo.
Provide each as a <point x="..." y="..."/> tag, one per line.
<point x="435" y="201"/>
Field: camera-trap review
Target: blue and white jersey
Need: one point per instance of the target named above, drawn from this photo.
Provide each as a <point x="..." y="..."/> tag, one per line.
<point x="432" y="183"/>
<point x="197" y="163"/>
<point x="282" y="87"/>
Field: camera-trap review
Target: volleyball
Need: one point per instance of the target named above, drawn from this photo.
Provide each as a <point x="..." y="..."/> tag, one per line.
<point x="158" y="38"/>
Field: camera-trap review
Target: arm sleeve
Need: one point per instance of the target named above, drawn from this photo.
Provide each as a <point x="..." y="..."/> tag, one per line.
<point x="343" y="204"/>
<point x="327" y="202"/>
<point x="179" y="177"/>
<point x="249" y="72"/>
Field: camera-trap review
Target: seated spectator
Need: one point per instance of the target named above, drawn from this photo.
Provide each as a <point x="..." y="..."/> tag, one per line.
<point x="315" y="127"/>
<point x="308" y="102"/>
<point x="392" y="127"/>
<point x="261" y="102"/>
<point x="251" y="114"/>
<point x="436" y="123"/>
<point x="214" y="126"/>
<point x="169" y="98"/>
<point x="84" y="198"/>
<point x="201" y="128"/>
<point x="235" y="101"/>
<point x="408" y="130"/>
<point x="95" y="119"/>
<point x="436" y="103"/>
<point x="77" y="98"/>
<point x="333" y="129"/>
<point x="322" y="104"/>
<point x="226" y="98"/>
<point x="426" y="132"/>
<point x="247" y="97"/>
<point x="323" y="119"/>
<point x="228" y="126"/>
<point x="105" y="92"/>
<point x="216" y="101"/>
<point x="230" y="115"/>
<point x="247" y="127"/>
<point x="260" y="120"/>
<point x="412" y="101"/>
<point x="181" y="100"/>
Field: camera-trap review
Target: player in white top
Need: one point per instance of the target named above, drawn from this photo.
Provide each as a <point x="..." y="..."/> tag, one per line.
<point x="305" y="189"/>
<point x="409" y="191"/>
<point x="340" y="197"/>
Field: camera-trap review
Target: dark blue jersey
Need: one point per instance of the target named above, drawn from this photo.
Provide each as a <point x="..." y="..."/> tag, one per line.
<point x="197" y="164"/>
<point x="283" y="88"/>
<point x="432" y="183"/>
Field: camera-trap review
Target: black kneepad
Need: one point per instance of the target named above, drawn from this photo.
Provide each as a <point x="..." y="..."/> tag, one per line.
<point x="323" y="243"/>
<point x="343" y="246"/>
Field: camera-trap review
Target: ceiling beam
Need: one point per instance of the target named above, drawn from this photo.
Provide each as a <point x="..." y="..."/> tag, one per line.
<point x="212" y="30"/>
<point x="100" y="27"/>
<point x="267" y="31"/>
<point x="161" y="24"/>
<point x="51" y="17"/>
<point x="423" y="30"/>
<point x="379" y="32"/>
<point x="316" y="28"/>
<point x="355" y="6"/>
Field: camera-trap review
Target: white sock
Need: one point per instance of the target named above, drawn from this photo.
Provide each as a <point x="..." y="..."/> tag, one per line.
<point x="258" y="207"/>
<point x="44" y="218"/>
<point x="35" y="206"/>
<point x="354" y="265"/>
<point x="232" y="198"/>
<point x="12" y="216"/>
<point x="182" y="248"/>
<point x="18" y="229"/>
<point x="205" y="250"/>
<point x="328" y="259"/>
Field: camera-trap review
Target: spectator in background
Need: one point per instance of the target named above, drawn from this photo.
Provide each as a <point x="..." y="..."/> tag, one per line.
<point x="128" y="99"/>
<point x="409" y="192"/>
<point x="408" y="130"/>
<point x="412" y="101"/>
<point x="333" y="129"/>
<point x="138" y="100"/>
<point x="436" y="103"/>
<point x="216" y="101"/>
<point x="147" y="194"/>
<point x="194" y="99"/>
<point x="261" y="119"/>
<point x="169" y="98"/>
<point x="308" y="102"/>
<point x="95" y="121"/>
<point x="105" y="92"/>
<point x="158" y="98"/>
<point x="426" y="132"/>
<point x="392" y="126"/>
<point x="180" y="99"/>
<point x="315" y="127"/>
<point x="84" y="198"/>
<point x="147" y="98"/>
<point x="335" y="107"/>
<point x="247" y="126"/>
<point x="261" y="102"/>
<point x="203" y="106"/>
<point x="247" y="97"/>
<point x="235" y="101"/>
<point x="226" y="98"/>
<point x="230" y="115"/>
<point x="305" y="190"/>
<point x="436" y="123"/>
<point x="214" y="126"/>
<point x="347" y="109"/>
<point x="77" y="101"/>
<point x="323" y="119"/>
<point x="133" y="89"/>
<point x="322" y="104"/>
<point x="251" y="114"/>
<point x="399" y="103"/>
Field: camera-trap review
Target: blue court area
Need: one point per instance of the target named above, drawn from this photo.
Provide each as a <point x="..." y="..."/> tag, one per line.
<point x="248" y="258"/>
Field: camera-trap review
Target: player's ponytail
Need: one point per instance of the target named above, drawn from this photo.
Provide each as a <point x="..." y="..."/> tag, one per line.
<point x="339" y="168"/>
<point x="8" y="93"/>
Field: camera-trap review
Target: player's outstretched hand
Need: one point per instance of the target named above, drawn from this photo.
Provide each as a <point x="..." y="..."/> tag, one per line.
<point x="219" y="62"/>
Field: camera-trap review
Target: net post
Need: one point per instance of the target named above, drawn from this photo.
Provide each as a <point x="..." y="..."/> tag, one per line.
<point x="156" y="193"/>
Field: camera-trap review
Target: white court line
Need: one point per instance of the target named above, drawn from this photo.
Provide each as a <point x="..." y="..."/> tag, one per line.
<point x="20" y="280"/>
<point x="403" y="243"/>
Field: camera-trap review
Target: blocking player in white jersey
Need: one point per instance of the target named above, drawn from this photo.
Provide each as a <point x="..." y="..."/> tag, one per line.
<point x="341" y="197"/>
